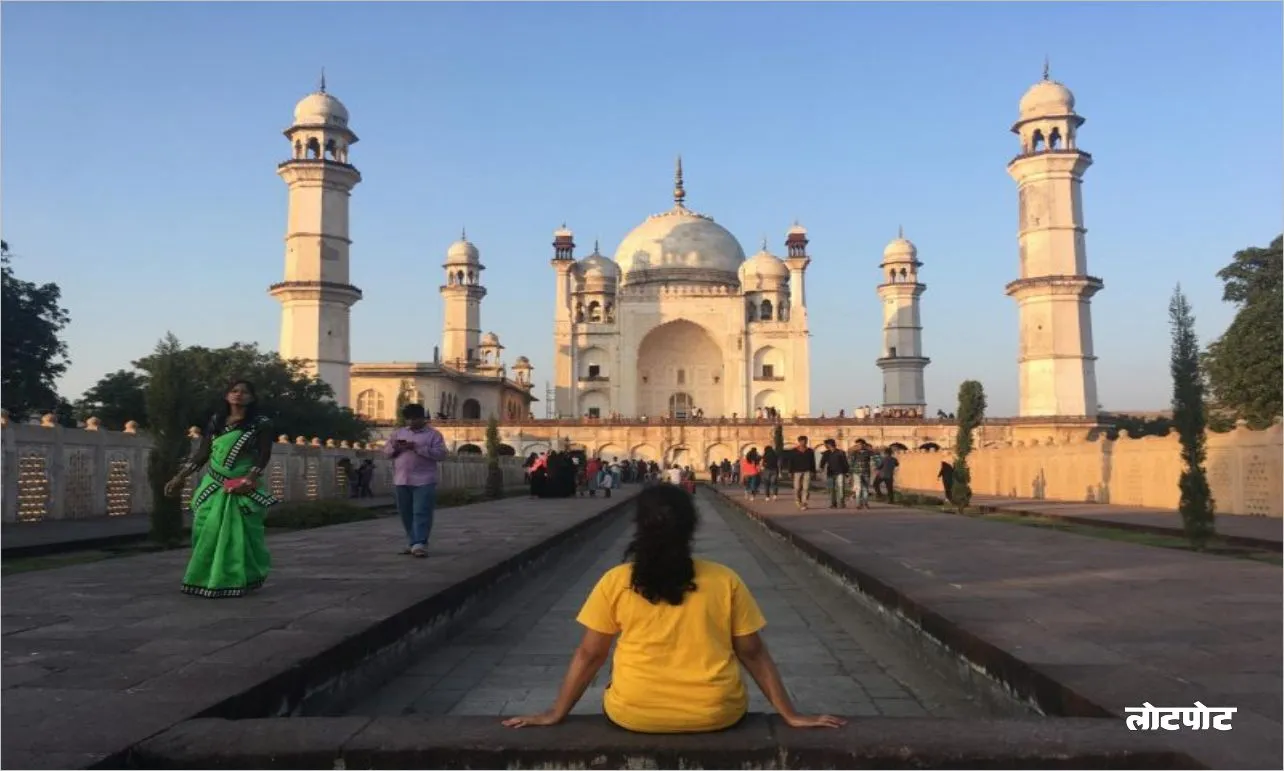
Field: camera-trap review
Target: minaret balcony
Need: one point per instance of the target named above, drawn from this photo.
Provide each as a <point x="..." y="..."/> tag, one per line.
<point x="1052" y="151"/>
<point x="322" y="162"/>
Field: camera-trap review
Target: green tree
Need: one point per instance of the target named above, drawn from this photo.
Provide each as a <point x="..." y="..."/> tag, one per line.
<point x="116" y="399"/>
<point x="1243" y="366"/>
<point x="34" y="356"/>
<point x="970" y="414"/>
<point x="1191" y="420"/>
<point x="173" y="410"/>
<point x="298" y="403"/>
<point x="494" y="474"/>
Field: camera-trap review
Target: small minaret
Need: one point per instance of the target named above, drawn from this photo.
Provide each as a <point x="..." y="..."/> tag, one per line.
<point x="902" y="361"/>
<point x="316" y="294"/>
<point x="797" y="259"/>
<point x="1053" y="292"/>
<point x="563" y="263"/>
<point x="461" y="298"/>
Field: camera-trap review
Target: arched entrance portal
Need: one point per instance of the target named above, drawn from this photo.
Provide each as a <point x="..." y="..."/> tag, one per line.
<point x="681" y="405"/>
<point x="680" y="372"/>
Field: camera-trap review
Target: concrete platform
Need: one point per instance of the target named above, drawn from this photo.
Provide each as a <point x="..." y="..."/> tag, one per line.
<point x="759" y="741"/>
<point x="98" y="657"/>
<point x="1254" y="532"/>
<point x="833" y="655"/>
<point x="1079" y="625"/>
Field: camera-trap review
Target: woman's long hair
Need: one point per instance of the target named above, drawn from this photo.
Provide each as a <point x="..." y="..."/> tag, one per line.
<point x="224" y="411"/>
<point x="661" y="546"/>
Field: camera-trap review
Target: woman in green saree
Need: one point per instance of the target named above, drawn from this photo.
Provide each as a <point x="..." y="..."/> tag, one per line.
<point x="229" y="546"/>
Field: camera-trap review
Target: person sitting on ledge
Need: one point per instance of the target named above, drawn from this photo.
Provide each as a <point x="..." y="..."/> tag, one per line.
<point x="684" y="625"/>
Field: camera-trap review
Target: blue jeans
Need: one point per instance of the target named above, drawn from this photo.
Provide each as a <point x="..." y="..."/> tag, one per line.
<point x="751" y="484"/>
<point x="415" y="505"/>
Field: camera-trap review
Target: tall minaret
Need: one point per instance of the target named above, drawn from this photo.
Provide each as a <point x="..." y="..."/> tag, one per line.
<point x="461" y="298"/>
<point x="902" y="361"/>
<point x="1057" y="367"/>
<point x="797" y="259"/>
<point x="563" y="263"/>
<point x="316" y="295"/>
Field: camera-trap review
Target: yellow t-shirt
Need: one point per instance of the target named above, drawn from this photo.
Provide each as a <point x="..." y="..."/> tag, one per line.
<point x="674" y="669"/>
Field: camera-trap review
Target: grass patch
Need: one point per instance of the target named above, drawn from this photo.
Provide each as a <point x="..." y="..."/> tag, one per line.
<point x="1216" y="546"/>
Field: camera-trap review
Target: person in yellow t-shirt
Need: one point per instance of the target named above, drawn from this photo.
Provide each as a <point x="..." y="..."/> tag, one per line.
<point x="684" y="627"/>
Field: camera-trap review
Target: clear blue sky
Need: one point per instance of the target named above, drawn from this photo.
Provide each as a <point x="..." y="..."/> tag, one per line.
<point x="141" y="140"/>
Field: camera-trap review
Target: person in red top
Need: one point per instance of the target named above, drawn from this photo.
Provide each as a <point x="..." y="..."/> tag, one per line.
<point x="750" y="472"/>
<point x="591" y="471"/>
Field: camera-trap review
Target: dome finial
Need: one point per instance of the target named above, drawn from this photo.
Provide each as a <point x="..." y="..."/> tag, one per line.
<point x="764" y="243"/>
<point x="900" y="231"/>
<point x="321" y="87"/>
<point x="1046" y="67"/>
<point x="679" y="190"/>
<point x="463" y="233"/>
<point x="595" y="251"/>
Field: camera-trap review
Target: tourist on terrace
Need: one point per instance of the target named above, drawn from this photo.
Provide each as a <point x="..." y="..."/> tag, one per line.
<point x="750" y="472"/>
<point x="802" y="464"/>
<point x="684" y="627"/>
<point x="770" y="473"/>
<point x="415" y="451"/>
<point x="862" y="460"/>
<point x="229" y="547"/>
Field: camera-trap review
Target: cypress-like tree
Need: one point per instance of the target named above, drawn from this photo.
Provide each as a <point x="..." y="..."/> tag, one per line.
<point x="970" y="414"/>
<point x="494" y="474"/>
<point x="171" y="414"/>
<point x="778" y="439"/>
<point x="1190" y="417"/>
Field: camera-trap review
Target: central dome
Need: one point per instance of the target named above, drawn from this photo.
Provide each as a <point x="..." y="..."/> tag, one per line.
<point x="679" y="246"/>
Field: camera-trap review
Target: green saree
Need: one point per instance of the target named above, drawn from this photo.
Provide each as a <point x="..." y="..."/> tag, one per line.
<point x="229" y="545"/>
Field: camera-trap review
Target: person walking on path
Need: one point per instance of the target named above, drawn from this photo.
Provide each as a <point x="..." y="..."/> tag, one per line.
<point x="834" y="463"/>
<point x="415" y="451"/>
<point x="802" y="464"/>
<point x="862" y="462"/>
<point x="946" y="475"/>
<point x="887" y="473"/>
<point x="682" y="628"/>
<point x="750" y="472"/>
<point x="770" y="473"/>
<point x="229" y="546"/>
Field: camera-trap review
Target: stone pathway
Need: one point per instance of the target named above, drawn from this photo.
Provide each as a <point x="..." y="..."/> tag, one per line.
<point x="100" y="656"/>
<point x="832" y="656"/>
<point x="1265" y="532"/>
<point x="1119" y="624"/>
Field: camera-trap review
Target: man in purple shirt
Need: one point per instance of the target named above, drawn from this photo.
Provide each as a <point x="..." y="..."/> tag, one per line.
<point x="415" y="451"/>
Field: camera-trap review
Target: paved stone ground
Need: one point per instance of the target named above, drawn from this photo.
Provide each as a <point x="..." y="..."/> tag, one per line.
<point x="99" y="656"/>
<point x="1259" y="528"/>
<point x="1119" y="623"/>
<point x="832" y="656"/>
<point x="49" y="532"/>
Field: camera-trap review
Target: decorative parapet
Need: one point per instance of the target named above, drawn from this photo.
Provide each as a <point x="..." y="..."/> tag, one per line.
<point x="56" y="473"/>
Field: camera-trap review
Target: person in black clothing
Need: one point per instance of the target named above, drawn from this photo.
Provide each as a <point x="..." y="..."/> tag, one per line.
<point x="833" y="462"/>
<point x="862" y="462"/>
<point x="946" y="475"/>
<point x="802" y="464"/>
<point x="770" y="473"/>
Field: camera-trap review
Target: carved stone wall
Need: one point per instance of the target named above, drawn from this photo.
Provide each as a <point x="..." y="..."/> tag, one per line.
<point x="1244" y="470"/>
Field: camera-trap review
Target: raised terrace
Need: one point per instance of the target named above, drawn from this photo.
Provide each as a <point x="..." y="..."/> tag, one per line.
<point x="949" y="643"/>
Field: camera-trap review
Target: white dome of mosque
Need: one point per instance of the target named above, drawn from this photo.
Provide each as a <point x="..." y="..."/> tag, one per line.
<point x="679" y="245"/>
<point x="762" y="270"/>
<point x="1046" y="98"/>
<point x="320" y="108"/>
<point x="462" y="250"/>
<point x="597" y="266"/>
<point x="901" y="249"/>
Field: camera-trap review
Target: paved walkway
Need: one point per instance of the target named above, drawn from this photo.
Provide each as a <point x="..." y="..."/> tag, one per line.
<point x="97" y="657"/>
<point x="1118" y="624"/>
<point x="28" y="536"/>
<point x="1263" y="532"/>
<point x="832" y="656"/>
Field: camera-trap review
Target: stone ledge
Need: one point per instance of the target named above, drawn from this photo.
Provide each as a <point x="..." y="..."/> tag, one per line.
<point x="760" y="741"/>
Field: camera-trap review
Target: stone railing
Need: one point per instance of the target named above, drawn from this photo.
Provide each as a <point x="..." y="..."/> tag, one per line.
<point x="56" y="473"/>
<point x="1244" y="470"/>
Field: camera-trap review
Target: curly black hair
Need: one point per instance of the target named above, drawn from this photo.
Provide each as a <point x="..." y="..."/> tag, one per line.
<point x="661" y="547"/>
